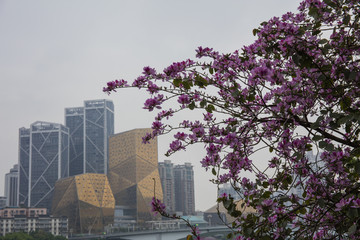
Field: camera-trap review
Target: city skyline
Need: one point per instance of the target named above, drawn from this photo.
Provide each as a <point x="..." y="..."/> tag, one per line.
<point x="55" y="54"/>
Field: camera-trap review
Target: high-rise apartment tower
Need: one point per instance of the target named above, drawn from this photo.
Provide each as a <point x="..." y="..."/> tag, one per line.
<point x="184" y="189"/>
<point x="11" y="186"/>
<point x="166" y="171"/>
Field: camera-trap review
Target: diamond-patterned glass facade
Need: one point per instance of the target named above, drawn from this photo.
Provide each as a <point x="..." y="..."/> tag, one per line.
<point x="133" y="172"/>
<point x="86" y="200"/>
<point x="99" y="125"/>
<point x="90" y="127"/>
<point x="49" y="158"/>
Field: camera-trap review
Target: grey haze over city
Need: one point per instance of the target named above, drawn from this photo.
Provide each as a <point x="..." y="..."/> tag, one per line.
<point x="56" y="54"/>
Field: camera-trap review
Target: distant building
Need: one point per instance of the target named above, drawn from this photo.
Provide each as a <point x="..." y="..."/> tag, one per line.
<point x="184" y="189"/>
<point x="86" y="200"/>
<point x="2" y="202"/>
<point x="166" y="171"/>
<point x="43" y="159"/>
<point x="24" y="165"/>
<point x="74" y="120"/>
<point x="31" y="219"/>
<point x="90" y="127"/>
<point x="133" y="173"/>
<point x="229" y="190"/>
<point x="11" y="186"/>
<point x="178" y="187"/>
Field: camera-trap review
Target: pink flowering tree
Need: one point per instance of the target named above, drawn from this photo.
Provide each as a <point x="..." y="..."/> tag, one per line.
<point x="295" y="89"/>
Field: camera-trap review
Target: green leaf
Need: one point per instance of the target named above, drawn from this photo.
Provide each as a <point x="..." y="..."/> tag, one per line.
<point x="321" y="202"/>
<point x="271" y="149"/>
<point x="317" y="137"/>
<point x="255" y="31"/>
<point x="302" y="210"/>
<point x="346" y="19"/>
<point x="323" y="41"/>
<point x="266" y="238"/>
<point x="187" y="85"/>
<point x="189" y="237"/>
<point x="313" y="11"/>
<point x="330" y="3"/>
<point x="356" y="152"/>
<point x="352" y="213"/>
<point x="200" y="81"/>
<point x="203" y="103"/>
<point x="177" y="82"/>
<point x="266" y="194"/>
<point x="213" y="171"/>
<point x="210" y="108"/>
<point x="191" y="105"/>
<point x="211" y="70"/>
<point x="352" y="229"/>
<point x="345" y="103"/>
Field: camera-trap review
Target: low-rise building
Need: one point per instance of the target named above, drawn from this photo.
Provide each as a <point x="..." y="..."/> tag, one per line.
<point x="31" y="219"/>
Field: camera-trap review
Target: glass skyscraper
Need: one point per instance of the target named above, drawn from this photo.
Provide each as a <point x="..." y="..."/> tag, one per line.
<point x="74" y="120"/>
<point x="49" y="161"/>
<point x="90" y="127"/>
<point x="24" y="162"/>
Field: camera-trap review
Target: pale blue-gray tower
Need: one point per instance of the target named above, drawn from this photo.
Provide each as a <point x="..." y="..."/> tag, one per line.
<point x="11" y="186"/>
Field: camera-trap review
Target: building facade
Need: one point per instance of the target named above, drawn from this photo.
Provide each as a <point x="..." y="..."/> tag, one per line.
<point x="11" y="186"/>
<point x="2" y="201"/>
<point x="133" y="173"/>
<point x="90" y="127"/>
<point x="86" y="200"/>
<point x="24" y="164"/>
<point x="74" y="120"/>
<point x="31" y="219"/>
<point x="166" y="171"/>
<point x="184" y="189"/>
<point x="48" y="161"/>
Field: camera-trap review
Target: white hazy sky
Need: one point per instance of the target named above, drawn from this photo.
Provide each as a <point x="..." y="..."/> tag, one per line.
<point x="56" y="54"/>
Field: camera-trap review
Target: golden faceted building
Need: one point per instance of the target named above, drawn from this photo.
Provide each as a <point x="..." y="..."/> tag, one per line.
<point x="86" y="200"/>
<point x="133" y="173"/>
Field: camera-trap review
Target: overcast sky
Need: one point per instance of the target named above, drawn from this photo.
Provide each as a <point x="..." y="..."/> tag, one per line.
<point x="56" y="54"/>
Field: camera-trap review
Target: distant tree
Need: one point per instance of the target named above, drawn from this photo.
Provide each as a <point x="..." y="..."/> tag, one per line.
<point x="295" y="89"/>
<point x="41" y="235"/>
<point x="17" y="236"/>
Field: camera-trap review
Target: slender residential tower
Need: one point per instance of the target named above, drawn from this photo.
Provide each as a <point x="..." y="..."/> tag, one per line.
<point x="11" y="186"/>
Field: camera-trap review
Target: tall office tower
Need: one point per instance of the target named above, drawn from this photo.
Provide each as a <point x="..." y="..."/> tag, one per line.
<point x="133" y="173"/>
<point x="11" y="186"/>
<point x="184" y="189"/>
<point x="99" y="126"/>
<point x="24" y="163"/>
<point x="90" y="127"/>
<point x="49" y="161"/>
<point x="74" y="120"/>
<point x="166" y="171"/>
